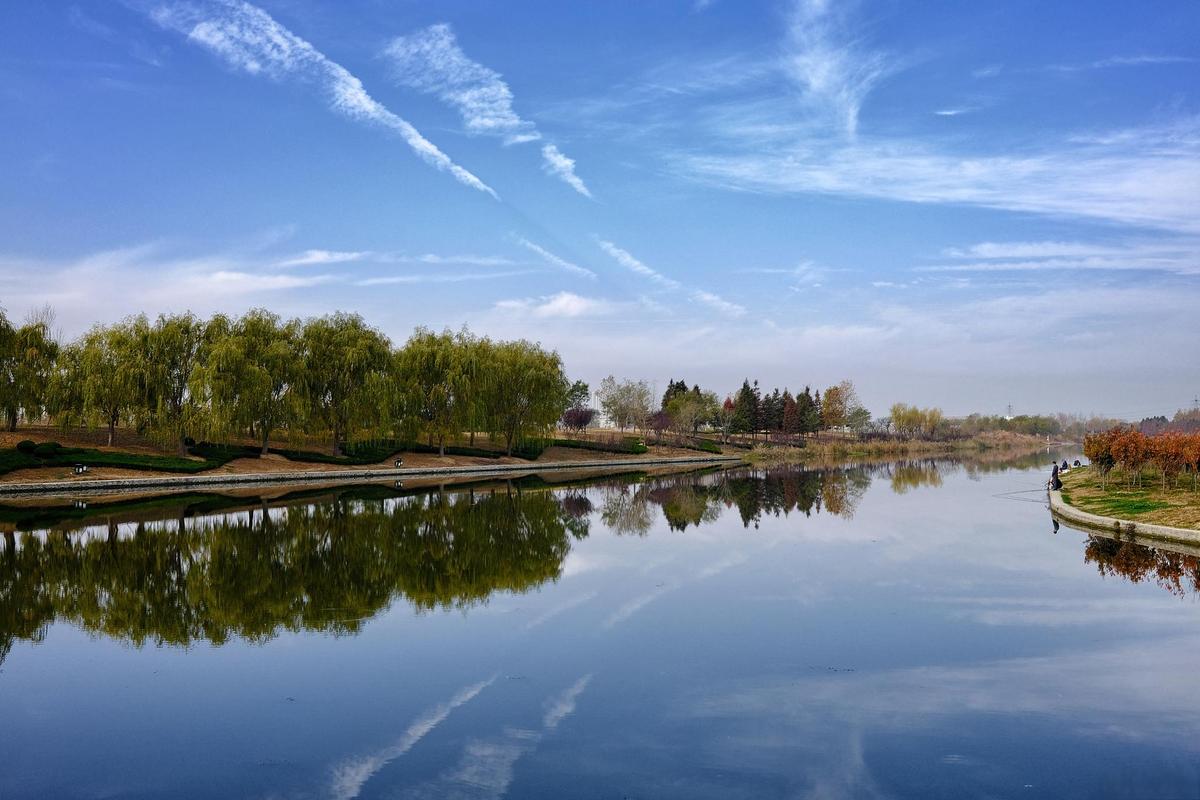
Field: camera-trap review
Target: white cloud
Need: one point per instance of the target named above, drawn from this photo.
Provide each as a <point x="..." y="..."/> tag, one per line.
<point x="1181" y="257"/>
<point x="1144" y="177"/>
<point x="441" y="277"/>
<point x="563" y="304"/>
<point x="713" y="301"/>
<point x="309" y="257"/>
<point x="469" y="260"/>
<point x="1123" y="61"/>
<point x="718" y="304"/>
<point x="834" y="74"/>
<point x="431" y="61"/>
<point x="249" y="39"/>
<point x="554" y="259"/>
<point x="557" y="164"/>
<point x="232" y="281"/>
<point x="954" y="112"/>
<point x="626" y="259"/>
<point x="152" y="277"/>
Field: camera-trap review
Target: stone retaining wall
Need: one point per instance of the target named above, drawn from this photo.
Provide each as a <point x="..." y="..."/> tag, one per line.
<point x="1124" y="528"/>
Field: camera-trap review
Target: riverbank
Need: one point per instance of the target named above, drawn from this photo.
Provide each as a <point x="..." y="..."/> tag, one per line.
<point x="144" y="481"/>
<point x="840" y="450"/>
<point x="1115" y="528"/>
<point x="1113" y="501"/>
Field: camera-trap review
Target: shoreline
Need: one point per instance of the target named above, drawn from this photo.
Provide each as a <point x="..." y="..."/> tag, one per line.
<point x="1062" y="510"/>
<point x="107" y="485"/>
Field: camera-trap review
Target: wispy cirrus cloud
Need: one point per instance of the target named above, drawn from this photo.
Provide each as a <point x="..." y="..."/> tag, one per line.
<point x="1122" y="61"/>
<point x="149" y="277"/>
<point x="551" y="258"/>
<point x="630" y="262"/>
<point x="249" y="39"/>
<point x="1138" y="177"/>
<point x="431" y="61"/>
<point x="310" y="257"/>
<point x="439" y="277"/>
<point x="562" y="304"/>
<point x="792" y="127"/>
<point x="1180" y="257"/>
<point x="562" y="167"/>
<point x="833" y="72"/>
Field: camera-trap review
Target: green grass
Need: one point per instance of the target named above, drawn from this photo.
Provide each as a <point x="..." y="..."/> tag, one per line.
<point x="11" y="460"/>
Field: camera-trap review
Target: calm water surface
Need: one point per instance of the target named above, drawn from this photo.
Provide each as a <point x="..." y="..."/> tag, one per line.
<point x="916" y="630"/>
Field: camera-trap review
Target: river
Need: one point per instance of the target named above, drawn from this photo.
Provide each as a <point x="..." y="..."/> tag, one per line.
<point x="916" y="630"/>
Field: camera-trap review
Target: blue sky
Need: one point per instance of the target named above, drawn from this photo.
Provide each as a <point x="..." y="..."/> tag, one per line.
<point x="967" y="205"/>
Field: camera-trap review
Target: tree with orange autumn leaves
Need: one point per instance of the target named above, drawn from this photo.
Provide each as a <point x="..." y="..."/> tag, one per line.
<point x="1129" y="449"/>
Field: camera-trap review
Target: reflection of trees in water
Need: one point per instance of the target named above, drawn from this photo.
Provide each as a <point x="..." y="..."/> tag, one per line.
<point x="691" y="500"/>
<point x="908" y="475"/>
<point x="1178" y="573"/>
<point x="324" y="566"/>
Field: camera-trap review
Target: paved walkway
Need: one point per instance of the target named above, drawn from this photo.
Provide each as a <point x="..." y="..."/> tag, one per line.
<point x="60" y="488"/>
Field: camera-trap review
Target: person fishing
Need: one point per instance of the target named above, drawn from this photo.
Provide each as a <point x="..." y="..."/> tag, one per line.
<point x="1055" y="483"/>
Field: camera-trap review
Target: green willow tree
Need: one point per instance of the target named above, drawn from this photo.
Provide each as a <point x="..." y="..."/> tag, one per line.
<point x="251" y="376"/>
<point x="27" y="358"/>
<point x="170" y="350"/>
<point x="527" y="391"/>
<point x="346" y="383"/>
<point x="107" y="380"/>
<point x="435" y="370"/>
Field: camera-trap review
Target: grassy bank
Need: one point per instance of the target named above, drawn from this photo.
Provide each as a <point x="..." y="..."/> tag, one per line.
<point x="1177" y="506"/>
<point x="821" y="452"/>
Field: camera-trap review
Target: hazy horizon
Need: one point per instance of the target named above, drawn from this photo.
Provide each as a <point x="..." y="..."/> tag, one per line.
<point x="962" y="206"/>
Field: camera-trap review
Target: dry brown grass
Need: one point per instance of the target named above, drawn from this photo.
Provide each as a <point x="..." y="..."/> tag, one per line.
<point x="828" y="451"/>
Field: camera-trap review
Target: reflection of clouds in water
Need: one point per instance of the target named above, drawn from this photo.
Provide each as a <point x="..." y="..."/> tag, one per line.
<point x="485" y="769"/>
<point x="637" y="604"/>
<point x="1135" y="690"/>
<point x="564" y="705"/>
<point x="1061" y="611"/>
<point x="717" y="568"/>
<point x="351" y="775"/>
<point x="561" y="608"/>
<point x="577" y="563"/>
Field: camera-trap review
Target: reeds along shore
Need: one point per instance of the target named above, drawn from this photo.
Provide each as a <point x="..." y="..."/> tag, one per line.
<point x="818" y="452"/>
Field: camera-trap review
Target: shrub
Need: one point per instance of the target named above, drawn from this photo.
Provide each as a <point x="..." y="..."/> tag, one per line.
<point x="47" y="450"/>
<point x="26" y="446"/>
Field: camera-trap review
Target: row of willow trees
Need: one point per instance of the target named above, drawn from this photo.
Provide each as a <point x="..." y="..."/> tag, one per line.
<point x="260" y="376"/>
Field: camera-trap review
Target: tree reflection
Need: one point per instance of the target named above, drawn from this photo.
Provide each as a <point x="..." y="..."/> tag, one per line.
<point x="695" y="500"/>
<point x="1178" y="573"/>
<point x="322" y="566"/>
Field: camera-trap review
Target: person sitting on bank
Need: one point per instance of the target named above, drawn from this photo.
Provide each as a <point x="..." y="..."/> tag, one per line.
<point x="1055" y="483"/>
